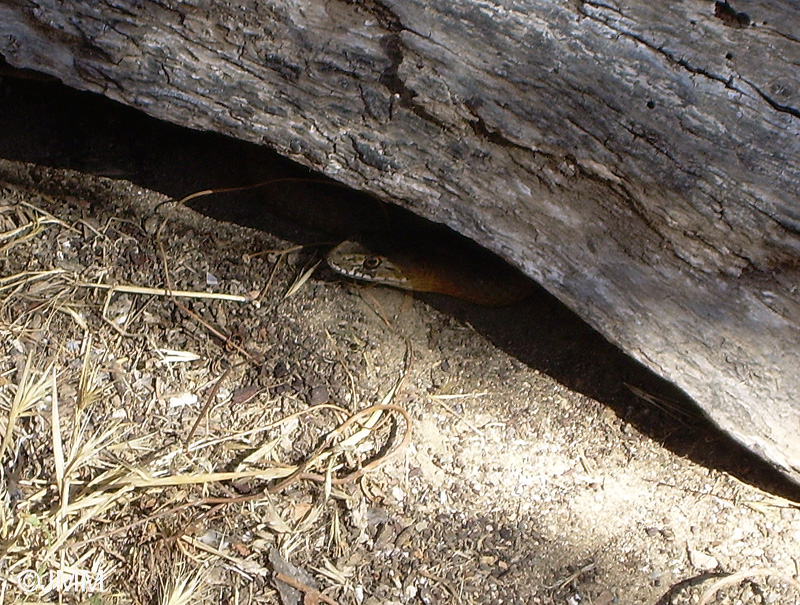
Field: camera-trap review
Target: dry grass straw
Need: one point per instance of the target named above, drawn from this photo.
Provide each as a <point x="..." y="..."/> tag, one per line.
<point x="114" y="289"/>
<point x="30" y="221"/>
<point x="676" y="411"/>
<point x="95" y="467"/>
<point x="185" y="587"/>
<point x="28" y="393"/>
<point x="301" y="280"/>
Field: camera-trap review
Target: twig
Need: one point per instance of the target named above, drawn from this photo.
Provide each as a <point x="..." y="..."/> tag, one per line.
<point x="164" y="292"/>
<point x="330" y="440"/>
<point x="439" y="580"/>
<point x="223" y="337"/>
<point x="206" y="406"/>
<point x="205" y="192"/>
<point x="305" y="589"/>
<point x="350" y="379"/>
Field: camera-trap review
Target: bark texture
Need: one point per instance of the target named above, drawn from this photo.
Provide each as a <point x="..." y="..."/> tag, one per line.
<point x="638" y="158"/>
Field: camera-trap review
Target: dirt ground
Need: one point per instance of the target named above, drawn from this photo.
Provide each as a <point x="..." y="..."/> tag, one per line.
<point x="151" y="438"/>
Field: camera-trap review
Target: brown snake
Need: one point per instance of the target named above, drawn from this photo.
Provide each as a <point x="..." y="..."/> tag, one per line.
<point x="460" y="269"/>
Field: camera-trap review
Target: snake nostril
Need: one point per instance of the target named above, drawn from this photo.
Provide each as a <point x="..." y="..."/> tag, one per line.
<point x="372" y="262"/>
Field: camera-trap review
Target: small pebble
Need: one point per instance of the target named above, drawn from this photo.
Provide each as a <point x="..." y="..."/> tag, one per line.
<point x="319" y="395"/>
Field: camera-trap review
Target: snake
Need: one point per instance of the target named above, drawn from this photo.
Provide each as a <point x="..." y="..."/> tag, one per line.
<point x="457" y="268"/>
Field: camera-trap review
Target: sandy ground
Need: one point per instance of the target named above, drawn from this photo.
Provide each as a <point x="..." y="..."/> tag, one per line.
<point x="539" y="469"/>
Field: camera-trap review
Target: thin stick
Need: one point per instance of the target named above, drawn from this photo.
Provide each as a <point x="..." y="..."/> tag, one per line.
<point x="311" y="593"/>
<point x="223" y="337"/>
<point x="206" y="407"/>
<point x="205" y="192"/>
<point x="350" y="378"/>
<point x="164" y="292"/>
<point x="330" y="440"/>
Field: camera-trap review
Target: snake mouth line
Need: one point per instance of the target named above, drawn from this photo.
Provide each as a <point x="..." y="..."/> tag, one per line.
<point x="356" y="261"/>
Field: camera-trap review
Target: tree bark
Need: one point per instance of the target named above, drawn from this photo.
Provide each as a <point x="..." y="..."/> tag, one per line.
<point x="639" y="159"/>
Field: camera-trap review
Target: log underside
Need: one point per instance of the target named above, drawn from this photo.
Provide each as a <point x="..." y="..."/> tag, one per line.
<point x="639" y="159"/>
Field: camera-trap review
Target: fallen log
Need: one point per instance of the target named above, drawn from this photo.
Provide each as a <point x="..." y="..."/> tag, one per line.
<point x="639" y="159"/>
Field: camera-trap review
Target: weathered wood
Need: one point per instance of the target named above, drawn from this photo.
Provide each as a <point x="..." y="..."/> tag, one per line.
<point x="639" y="159"/>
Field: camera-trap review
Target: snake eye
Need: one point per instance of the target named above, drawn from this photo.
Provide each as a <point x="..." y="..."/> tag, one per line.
<point x="372" y="262"/>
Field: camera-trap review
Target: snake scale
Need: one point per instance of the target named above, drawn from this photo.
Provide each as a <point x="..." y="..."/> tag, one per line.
<point x="455" y="267"/>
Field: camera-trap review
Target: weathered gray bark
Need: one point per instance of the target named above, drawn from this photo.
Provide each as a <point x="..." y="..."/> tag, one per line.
<point x="638" y="158"/>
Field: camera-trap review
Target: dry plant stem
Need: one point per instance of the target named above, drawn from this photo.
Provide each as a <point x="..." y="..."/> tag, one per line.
<point x="164" y="292"/>
<point x="312" y="593"/>
<point x="263" y="294"/>
<point x="209" y="399"/>
<point x="280" y="252"/>
<point x="757" y="572"/>
<point x="62" y="485"/>
<point x="17" y="279"/>
<point x="301" y="280"/>
<point x="443" y="581"/>
<point x="673" y="410"/>
<point x="460" y="417"/>
<point x="561" y="584"/>
<point x="233" y="561"/>
<point x="217" y="502"/>
<point x="281" y="256"/>
<point x="344" y="413"/>
<point x="27" y="395"/>
<point x="298" y="475"/>
<point x="50" y="218"/>
<point x="185" y="200"/>
<point x="330" y="440"/>
<point x="224" y="338"/>
<point x="16" y="406"/>
<point x="350" y="379"/>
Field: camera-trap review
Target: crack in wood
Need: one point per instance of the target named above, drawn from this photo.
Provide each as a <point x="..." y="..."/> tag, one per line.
<point x="383" y="14"/>
<point x="393" y="46"/>
<point x="482" y="130"/>
<point x="794" y="111"/>
<point x="722" y="11"/>
<point x="288" y="71"/>
<point x="683" y="63"/>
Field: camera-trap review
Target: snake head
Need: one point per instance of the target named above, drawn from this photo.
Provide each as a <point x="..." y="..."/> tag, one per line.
<point x="354" y="260"/>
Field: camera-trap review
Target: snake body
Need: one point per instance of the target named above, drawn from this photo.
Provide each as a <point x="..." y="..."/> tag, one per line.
<point x="457" y="268"/>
